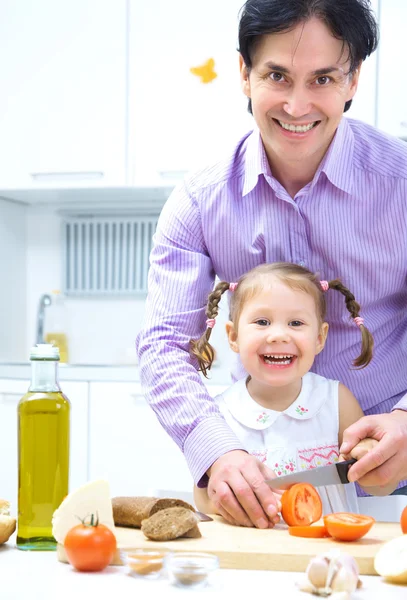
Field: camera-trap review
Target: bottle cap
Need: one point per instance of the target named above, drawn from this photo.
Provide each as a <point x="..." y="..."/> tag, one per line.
<point x="44" y="352"/>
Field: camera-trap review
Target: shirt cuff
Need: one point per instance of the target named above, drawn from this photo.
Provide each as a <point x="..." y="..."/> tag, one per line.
<point x="401" y="405"/>
<point x="209" y="440"/>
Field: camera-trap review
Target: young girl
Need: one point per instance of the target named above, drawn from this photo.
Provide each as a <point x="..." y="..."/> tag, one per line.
<point x="288" y="417"/>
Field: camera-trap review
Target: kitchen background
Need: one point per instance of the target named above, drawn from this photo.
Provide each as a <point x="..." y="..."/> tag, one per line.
<point x="100" y="116"/>
<point x="105" y="105"/>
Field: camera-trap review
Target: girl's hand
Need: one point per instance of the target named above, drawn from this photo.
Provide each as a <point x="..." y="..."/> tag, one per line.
<point x="238" y="491"/>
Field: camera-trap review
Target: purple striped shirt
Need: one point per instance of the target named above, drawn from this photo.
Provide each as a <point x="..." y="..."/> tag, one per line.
<point x="349" y="222"/>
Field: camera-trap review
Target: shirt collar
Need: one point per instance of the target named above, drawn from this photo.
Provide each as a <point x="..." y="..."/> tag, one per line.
<point x="336" y="164"/>
<point x="245" y="410"/>
<point x="256" y="162"/>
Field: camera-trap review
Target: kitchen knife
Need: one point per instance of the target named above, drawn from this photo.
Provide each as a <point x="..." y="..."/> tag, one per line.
<point x="329" y="475"/>
<point x="203" y="516"/>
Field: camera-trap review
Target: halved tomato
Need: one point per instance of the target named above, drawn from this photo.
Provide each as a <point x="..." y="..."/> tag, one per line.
<point x="309" y="531"/>
<point x="403" y="520"/>
<point x="348" y="527"/>
<point x="301" y="505"/>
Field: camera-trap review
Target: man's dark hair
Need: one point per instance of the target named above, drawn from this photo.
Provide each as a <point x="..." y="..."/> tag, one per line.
<point x="351" y="21"/>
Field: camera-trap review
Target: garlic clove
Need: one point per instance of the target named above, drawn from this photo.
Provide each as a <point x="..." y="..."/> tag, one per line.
<point x="345" y="580"/>
<point x="317" y="571"/>
<point x="332" y="573"/>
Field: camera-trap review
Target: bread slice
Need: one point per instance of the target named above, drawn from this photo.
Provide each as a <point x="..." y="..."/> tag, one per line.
<point x="170" y="524"/>
<point x="130" y="511"/>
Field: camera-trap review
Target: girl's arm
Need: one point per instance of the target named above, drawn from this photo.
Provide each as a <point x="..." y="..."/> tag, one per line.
<point x="349" y="413"/>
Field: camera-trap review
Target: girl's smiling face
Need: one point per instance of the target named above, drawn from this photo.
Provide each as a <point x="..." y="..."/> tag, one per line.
<point x="278" y="335"/>
<point x="299" y="79"/>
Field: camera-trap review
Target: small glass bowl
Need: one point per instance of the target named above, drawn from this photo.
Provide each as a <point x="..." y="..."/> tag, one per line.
<point x="191" y="569"/>
<point x="144" y="563"/>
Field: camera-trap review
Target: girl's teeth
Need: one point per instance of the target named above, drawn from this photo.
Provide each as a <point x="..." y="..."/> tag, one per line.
<point x="296" y="129"/>
<point x="285" y="359"/>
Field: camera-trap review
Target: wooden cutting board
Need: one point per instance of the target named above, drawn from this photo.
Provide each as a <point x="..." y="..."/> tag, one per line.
<point x="259" y="549"/>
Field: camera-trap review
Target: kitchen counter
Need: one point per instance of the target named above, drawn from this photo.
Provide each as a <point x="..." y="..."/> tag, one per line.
<point x="39" y="576"/>
<point x="129" y="373"/>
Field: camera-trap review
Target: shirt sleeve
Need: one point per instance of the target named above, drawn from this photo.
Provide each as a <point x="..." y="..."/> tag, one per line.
<point x="401" y="404"/>
<point x="181" y="276"/>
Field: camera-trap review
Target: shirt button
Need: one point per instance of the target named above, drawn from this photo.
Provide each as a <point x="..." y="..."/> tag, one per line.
<point x="301" y="263"/>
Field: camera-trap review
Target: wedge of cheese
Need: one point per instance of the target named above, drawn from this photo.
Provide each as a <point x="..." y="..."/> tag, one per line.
<point x="91" y="498"/>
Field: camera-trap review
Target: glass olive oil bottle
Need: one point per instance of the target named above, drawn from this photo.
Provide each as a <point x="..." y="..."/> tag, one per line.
<point x="43" y="451"/>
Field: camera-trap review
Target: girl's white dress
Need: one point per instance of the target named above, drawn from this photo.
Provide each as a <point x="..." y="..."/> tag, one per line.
<point x="302" y="437"/>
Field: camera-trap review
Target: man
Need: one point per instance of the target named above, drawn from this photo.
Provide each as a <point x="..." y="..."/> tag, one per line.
<point x="306" y="186"/>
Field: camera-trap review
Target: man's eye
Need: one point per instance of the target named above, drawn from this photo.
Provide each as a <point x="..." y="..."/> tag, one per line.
<point x="262" y="322"/>
<point x="275" y="76"/>
<point x="296" y="323"/>
<point x="323" y="80"/>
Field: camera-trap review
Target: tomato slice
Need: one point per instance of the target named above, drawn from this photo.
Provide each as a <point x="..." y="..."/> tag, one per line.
<point x="301" y="505"/>
<point x="348" y="527"/>
<point x="309" y="531"/>
<point x="403" y="520"/>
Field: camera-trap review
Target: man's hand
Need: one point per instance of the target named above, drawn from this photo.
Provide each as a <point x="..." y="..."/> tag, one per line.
<point x="360" y="450"/>
<point x="386" y="463"/>
<point x="236" y="488"/>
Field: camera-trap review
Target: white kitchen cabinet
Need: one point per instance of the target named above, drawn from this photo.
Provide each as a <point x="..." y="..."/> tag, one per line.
<point x="10" y="393"/>
<point x="392" y="82"/>
<point x="63" y="100"/>
<point x="177" y="122"/>
<point x="129" y="447"/>
<point x="13" y="277"/>
<point x="364" y="104"/>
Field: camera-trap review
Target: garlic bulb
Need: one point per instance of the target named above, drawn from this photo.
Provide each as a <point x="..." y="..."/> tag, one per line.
<point x="332" y="573"/>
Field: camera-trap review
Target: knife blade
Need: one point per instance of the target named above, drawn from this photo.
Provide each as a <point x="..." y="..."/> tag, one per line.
<point x="203" y="516"/>
<point x="334" y="474"/>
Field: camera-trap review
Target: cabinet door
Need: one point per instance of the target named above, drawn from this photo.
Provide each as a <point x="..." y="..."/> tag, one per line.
<point x="364" y="104"/>
<point x="10" y="393"/>
<point x="178" y="122"/>
<point x="128" y="446"/>
<point x="63" y="104"/>
<point x="392" y="82"/>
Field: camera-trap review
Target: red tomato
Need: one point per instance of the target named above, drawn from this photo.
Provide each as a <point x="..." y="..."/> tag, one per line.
<point x="403" y="520"/>
<point x="90" y="547"/>
<point x="309" y="531"/>
<point x="348" y="527"/>
<point x="301" y="505"/>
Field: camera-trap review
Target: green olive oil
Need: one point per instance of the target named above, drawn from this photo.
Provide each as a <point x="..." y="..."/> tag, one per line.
<point x="43" y="437"/>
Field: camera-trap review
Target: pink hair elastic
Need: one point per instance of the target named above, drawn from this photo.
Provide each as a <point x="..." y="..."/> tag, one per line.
<point x="210" y="323"/>
<point x="324" y="286"/>
<point x="232" y="286"/>
<point x="359" y="321"/>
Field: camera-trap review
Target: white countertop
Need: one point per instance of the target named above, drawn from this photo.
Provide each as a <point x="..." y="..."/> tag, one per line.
<point x="39" y="576"/>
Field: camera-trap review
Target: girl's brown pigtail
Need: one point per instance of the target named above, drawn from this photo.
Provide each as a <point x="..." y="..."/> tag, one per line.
<point x="202" y="349"/>
<point x="353" y="307"/>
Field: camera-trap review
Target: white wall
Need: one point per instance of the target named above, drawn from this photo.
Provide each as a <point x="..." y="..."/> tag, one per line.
<point x="101" y="330"/>
<point x="13" y="284"/>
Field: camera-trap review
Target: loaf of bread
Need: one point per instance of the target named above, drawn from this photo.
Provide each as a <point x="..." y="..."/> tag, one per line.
<point x="170" y="524"/>
<point x="130" y="511"/>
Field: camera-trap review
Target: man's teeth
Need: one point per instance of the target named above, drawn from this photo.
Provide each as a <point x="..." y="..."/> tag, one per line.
<point x="298" y="128"/>
<point x="278" y="359"/>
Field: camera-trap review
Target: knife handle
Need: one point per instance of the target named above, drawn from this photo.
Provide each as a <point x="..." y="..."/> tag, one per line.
<point x="343" y="468"/>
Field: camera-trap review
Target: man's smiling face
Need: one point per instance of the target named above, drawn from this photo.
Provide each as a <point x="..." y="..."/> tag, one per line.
<point x="298" y="85"/>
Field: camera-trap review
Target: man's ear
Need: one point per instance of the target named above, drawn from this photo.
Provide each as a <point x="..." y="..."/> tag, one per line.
<point x="323" y="334"/>
<point x="232" y="336"/>
<point x="354" y="82"/>
<point x="244" y="77"/>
